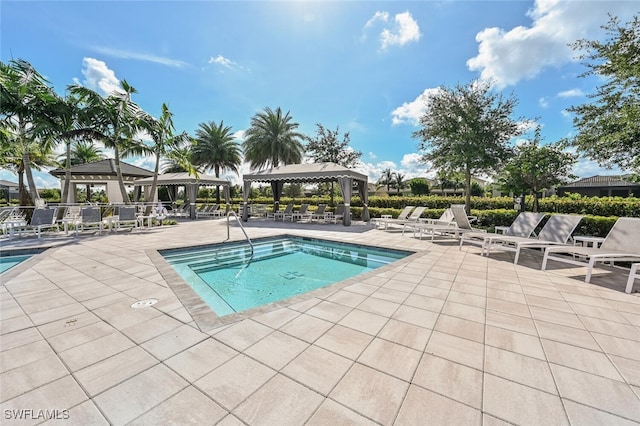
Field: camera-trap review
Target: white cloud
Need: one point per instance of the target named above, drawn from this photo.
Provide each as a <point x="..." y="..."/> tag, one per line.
<point x="566" y="114"/>
<point x="239" y="135"/>
<point x="410" y="112"/>
<point x="506" y="57"/>
<point x="127" y="54"/>
<point x="225" y="62"/>
<point x="586" y="168"/>
<point x="98" y="77"/>
<point x="544" y="103"/>
<point x="404" y="29"/>
<point x="571" y="93"/>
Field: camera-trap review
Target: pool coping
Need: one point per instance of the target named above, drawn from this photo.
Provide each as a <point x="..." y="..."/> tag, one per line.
<point x="208" y="320"/>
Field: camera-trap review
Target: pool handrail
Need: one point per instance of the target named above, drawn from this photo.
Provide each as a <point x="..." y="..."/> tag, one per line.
<point x="232" y="213"/>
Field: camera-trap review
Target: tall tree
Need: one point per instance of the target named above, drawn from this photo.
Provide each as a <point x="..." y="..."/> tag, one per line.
<point x="536" y="167"/>
<point x="468" y="128"/>
<point x="25" y="104"/>
<point x="80" y="152"/>
<point x="164" y="140"/>
<point x="114" y="120"/>
<point x="387" y="179"/>
<point x="272" y="140"/>
<point x="399" y="182"/>
<point x="215" y="149"/>
<point x="609" y="125"/>
<point x="326" y="147"/>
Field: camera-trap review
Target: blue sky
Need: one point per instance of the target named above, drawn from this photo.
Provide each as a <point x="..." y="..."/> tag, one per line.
<point x="362" y="66"/>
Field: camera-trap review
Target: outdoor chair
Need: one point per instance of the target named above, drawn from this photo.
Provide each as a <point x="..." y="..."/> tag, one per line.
<point x="522" y="226"/>
<point x="557" y="231"/>
<point x="90" y="217"/>
<point x="622" y="244"/>
<point x="208" y="211"/>
<point x="182" y="211"/>
<point x="281" y="214"/>
<point x="445" y="219"/>
<point x="462" y="224"/>
<point x="384" y="221"/>
<point x="633" y="274"/>
<point x="41" y="219"/>
<point x="319" y="213"/>
<point x="71" y="217"/>
<point x="301" y="213"/>
<point x="126" y="218"/>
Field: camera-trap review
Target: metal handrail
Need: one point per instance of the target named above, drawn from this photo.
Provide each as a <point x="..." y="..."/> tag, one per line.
<point x="232" y="213"/>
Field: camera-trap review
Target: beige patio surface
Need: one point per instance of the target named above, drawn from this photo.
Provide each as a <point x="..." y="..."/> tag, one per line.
<point x="444" y="336"/>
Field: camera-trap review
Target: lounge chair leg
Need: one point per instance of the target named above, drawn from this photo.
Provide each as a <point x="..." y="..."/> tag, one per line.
<point x="632" y="277"/>
<point x="515" y="259"/>
<point x="587" y="278"/>
<point x="544" y="259"/>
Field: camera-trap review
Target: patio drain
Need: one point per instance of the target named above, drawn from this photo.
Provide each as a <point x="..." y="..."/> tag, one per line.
<point x="144" y="303"/>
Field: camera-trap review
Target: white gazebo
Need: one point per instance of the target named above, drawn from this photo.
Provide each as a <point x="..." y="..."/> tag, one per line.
<point x="312" y="172"/>
<point x="191" y="184"/>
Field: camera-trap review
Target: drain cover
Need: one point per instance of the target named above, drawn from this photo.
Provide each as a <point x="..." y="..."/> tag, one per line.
<point x="144" y="303"/>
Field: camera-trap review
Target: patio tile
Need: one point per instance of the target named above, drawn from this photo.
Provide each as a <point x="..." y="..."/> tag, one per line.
<point x="200" y="359"/>
<point x="332" y="413"/>
<point x="618" y="346"/>
<point x="281" y="401"/>
<point x="347" y="298"/>
<point x="276" y="350"/>
<point x="83" y="414"/>
<point x="14" y="324"/>
<point x="318" y="369"/>
<point x="511" y="322"/>
<point x="416" y="316"/>
<point x="391" y="358"/>
<point x="364" y="321"/>
<point x="511" y="296"/>
<point x="459" y="327"/>
<point x="19" y="338"/>
<point x="25" y="354"/>
<point x="306" y="327"/>
<point x="456" y="349"/>
<point x="405" y="334"/>
<point x="455" y="381"/>
<point x="422" y="406"/>
<point x="468" y="312"/>
<point x="390" y="294"/>
<point x="629" y="368"/>
<point x="583" y="415"/>
<point x="594" y="362"/>
<point x="189" y="406"/>
<point x="105" y="374"/>
<point x="625" y="331"/>
<point x="521" y="404"/>
<point x="519" y="368"/>
<point x="556" y="317"/>
<point x="29" y="376"/>
<point x="467" y="299"/>
<point x="362" y="288"/>
<point x="598" y="392"/>
<point x="277" y="318"/>
<point x="570" y="335"/>
<point x="96" y="350"/>
<point x="329" y="311"/>
<point x="378" y="306"/>
<point x="230" y="420"/>
<point x="130" y="399"/>
<point x="432" y="292"/>
<point x="344" y="341"/>
<point x="423" y="302"/>
<point x="242" y="334"/>
<point x="234" y="381"/>
<point x="67" y="324"/>
<point x="174" y="341"/>
<point x="47" y="396"/>
<point x="371" y="393"/>
<point x="149" y="329"/>
<point x="43" y="317"/>
<point x="508" y="307"/>
<point x="77" y="335"/>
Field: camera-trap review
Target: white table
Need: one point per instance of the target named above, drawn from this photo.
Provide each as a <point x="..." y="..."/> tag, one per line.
<point x="587" y="240"/>
<point x="501" y="229"/>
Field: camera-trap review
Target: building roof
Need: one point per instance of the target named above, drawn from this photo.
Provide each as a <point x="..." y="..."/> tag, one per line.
<point x="183" y="179"/>
<point x="601" y="181"/>
<point x="7" y="183"/>
<point x="104" y="168"/>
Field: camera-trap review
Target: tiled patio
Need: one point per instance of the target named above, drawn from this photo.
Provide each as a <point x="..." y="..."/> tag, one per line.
<point x="442" y="337"/>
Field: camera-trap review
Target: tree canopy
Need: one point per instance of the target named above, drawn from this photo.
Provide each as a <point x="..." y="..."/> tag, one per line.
<point x="467" y="128"/>
<point x="326" y="146"/>
<point x="609" y="125"/>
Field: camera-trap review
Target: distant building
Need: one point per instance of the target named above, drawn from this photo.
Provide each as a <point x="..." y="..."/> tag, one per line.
<point x="8" y="190"/>
<point x="601" y="186"/>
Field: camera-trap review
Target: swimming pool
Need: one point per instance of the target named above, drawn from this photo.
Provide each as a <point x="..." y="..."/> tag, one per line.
<point x="8" y="262"/>
<point x="230" y="279"/>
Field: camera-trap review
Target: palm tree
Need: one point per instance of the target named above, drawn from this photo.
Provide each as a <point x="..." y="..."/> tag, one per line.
<point x="113" y="120"/>
<point x="162" y="133"/>
<point x="386" y="179"/>
<point x="25" y="111"/>
<point x="399" y="182"/>
<point x="272" y="140"/>
<point x="81" y="152"/>
<point x="215" y="148"/>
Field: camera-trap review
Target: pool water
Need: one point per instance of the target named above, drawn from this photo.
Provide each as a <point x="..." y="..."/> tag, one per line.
<point x="231" y="280"/>
<point x="8" y="262"/>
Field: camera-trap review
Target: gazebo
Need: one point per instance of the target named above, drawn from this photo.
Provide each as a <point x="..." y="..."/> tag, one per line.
<point x="191" y="184"/>
<point x="313" y="172"/>
<point x="101" y="172"/>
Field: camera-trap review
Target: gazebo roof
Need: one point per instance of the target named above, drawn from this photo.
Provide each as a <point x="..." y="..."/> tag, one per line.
<point x="304" y="173"/>
<point x="183" y="179"/>
<point x="104" y="168"/>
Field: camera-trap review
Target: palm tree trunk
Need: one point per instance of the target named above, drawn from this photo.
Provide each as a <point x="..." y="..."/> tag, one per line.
<point x="123" y="190"/>
<point x="67" y="176"/>
<point x="33" y="192"/>
<point x="154" y="184"/>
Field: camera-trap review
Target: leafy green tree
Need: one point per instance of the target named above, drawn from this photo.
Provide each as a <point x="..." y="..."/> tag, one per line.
<point x="25" y="105"/>
<point x="292" y="190"/>
<point x="387" y="179"/>
<point x="326" y="147"/>
<point x="215" y="148"/>
<point x="609" y="125"/>
<point x="468" y="128"/>
<point x="114" y="120"/>
<point x="476" y="190"/>
<point x="419" y="186"/>
<point x="272" y="140"/>
<point x="537" y="167"/>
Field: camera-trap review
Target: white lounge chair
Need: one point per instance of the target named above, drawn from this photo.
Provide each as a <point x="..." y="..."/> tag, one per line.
<point x="633" y="274"/>
<point x="337" y="215"/>
<point x="126" y="218"/>
<point x="282" y="213"/>
<point x="622" y="244"/>
<point x="445" y="219"/>
<point x="301" y="213"/>
<point x="90" y="217"/>
<point x="402" y="217"/>
<point x="522" y="226"/>
<point x="557" y="231"/>
<point x="462" y="224"/>
<point x="319" y="213"/>
<point x="41" y="219"/>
